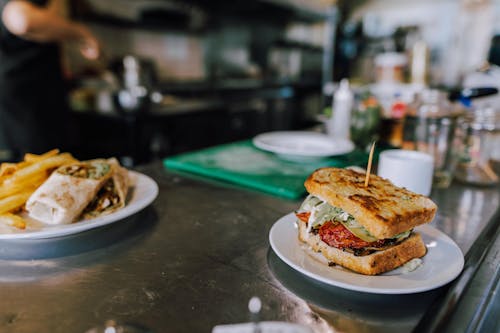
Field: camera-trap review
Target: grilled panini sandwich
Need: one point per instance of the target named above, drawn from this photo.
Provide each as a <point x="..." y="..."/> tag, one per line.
<point x="366" y="229"/>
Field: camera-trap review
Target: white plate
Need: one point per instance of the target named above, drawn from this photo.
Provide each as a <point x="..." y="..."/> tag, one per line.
<point x="143" y="191"/>
<point x="442" y="263"/>
<point x="302" y="144"/>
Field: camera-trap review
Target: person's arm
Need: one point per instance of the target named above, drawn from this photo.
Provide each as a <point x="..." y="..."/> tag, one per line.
<point x="39" y="24"/>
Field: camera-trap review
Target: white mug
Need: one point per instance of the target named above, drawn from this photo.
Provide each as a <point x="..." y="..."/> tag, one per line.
<point x="407" y="168"/>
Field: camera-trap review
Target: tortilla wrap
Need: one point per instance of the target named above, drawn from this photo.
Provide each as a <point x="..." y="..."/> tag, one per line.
<point x="112" y="195"/>
<point x="65" y="194"/>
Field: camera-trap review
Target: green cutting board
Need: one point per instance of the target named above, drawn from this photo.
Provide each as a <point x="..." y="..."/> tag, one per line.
<point x="243" y="164"/>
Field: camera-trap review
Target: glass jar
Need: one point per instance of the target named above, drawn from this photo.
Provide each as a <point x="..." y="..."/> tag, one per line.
<point x="430" y="126"/>
<point x="479" y="161"/>
<point x="365" y="121"/>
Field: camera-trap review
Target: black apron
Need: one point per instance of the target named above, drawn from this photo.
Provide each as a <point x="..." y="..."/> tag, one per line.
<point x="32" y="94"/>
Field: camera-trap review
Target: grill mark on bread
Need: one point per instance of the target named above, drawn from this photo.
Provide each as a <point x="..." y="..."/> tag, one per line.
<point x="381" y="217"/>
<point x="382" y="208"/>
<point x="369" y="202"/>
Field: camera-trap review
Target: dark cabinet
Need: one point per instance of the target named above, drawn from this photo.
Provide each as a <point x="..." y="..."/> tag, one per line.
<point x="143" y="137"/>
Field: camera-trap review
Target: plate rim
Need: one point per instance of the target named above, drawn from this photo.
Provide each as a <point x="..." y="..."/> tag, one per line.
<point x="286" y="151"/>
<point x="135" y="205"/>
<point x="434" y="233"/>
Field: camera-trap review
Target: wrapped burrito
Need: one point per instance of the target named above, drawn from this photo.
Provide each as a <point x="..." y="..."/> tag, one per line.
<point x="68" y="190"/>
<point x="113" y="195"/>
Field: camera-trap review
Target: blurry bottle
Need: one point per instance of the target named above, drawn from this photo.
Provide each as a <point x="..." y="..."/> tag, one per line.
<point x="419" y="63"/>
<point x="134" y="96"/>
<point x="339" y="125"/>
<point x="391" y="128"/>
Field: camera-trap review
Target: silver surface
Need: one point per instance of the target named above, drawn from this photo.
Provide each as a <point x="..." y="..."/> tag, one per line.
<point x="193" y="260"/>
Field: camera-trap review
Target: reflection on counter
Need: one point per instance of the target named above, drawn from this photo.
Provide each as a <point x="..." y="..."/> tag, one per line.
<point x="348" y="311"/>
<point x="19" y="250"/>
<point x="470" y="205"/>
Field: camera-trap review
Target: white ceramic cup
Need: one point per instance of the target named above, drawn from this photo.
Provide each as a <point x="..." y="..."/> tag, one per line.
<point x="407" y="168"/>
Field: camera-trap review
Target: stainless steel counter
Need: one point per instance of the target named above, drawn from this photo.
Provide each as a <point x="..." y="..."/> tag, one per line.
<point x="197" y="255"/>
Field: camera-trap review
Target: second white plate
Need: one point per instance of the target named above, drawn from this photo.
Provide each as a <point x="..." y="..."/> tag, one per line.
<point x="302" y="144"/>
<point x="144" y="191"/>
<point x="442" y="263"/>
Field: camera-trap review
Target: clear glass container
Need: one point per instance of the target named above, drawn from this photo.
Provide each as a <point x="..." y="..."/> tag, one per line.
<point x="479" y="161"/>
<point x="430" y="126"/>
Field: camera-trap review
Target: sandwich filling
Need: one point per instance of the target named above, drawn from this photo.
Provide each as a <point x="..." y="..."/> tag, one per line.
<point x="86" y="170"/>
<point x="339" y="229"/>
<point x="107" y="199"/>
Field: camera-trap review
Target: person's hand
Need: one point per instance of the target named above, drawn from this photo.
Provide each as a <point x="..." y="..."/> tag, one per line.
<point x="89" y="45"/>
<point x="90" y="48"/>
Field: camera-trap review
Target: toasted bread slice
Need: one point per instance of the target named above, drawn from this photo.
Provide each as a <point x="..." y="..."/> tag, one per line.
<point x="372" y="264"/>
<point x="384" y="209"/>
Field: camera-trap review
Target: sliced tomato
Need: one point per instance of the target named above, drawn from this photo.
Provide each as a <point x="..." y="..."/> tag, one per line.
<point x="336" y="235"/>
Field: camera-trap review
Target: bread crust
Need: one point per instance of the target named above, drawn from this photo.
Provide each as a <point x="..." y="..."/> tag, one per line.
<point x="384" y="209"/>
<point x="372" y="264"/>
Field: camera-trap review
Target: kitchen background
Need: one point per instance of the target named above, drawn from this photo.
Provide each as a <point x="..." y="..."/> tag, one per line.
<point x="182" y="75"/>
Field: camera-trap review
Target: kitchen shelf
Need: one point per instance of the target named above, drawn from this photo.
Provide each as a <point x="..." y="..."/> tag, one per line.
<point x="279" y="11"/>
<point x="141" y="15"/>
<point x="150" y="25"/>
<point x="209" y="13"/>
<point x="286" y="43"/>
<point x="308" y="10"/>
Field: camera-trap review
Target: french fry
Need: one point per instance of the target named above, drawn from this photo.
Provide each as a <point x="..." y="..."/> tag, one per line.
<point x="19" y="180"/>
<point x="28" y="157"/>
<point x="13" y="220"/>
<point x="25" y="184"/>
<point x="7" y="169"/>
<point x="14" y="201"/>
<point x="38" y="167"/>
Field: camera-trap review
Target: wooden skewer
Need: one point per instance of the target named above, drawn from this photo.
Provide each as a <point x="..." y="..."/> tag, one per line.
<point x="369" y="168"/>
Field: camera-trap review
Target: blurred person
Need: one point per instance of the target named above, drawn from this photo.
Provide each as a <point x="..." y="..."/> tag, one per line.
<point x="33" y="105"/>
